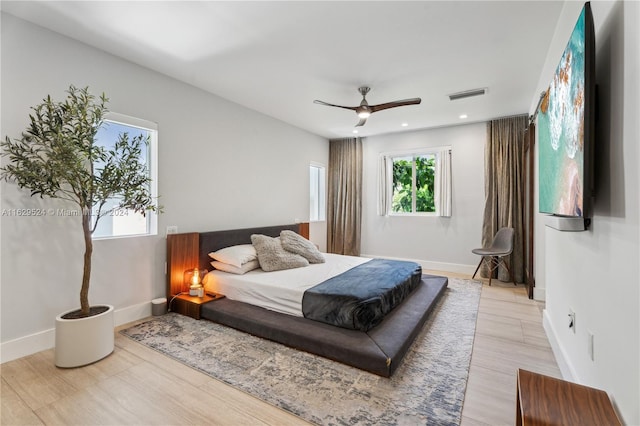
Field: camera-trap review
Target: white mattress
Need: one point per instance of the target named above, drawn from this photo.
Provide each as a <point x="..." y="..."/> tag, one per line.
<point x="280" y="291"/>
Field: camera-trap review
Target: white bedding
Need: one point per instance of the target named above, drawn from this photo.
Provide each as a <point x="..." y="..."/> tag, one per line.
<point x="280" y="291"/>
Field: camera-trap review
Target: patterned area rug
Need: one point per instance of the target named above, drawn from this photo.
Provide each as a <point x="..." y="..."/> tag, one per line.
<point x="428" y="388"/>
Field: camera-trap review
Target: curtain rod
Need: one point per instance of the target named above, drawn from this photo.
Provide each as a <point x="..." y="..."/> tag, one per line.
<point x="509" y="116"/>
<point x="535" y="113"/>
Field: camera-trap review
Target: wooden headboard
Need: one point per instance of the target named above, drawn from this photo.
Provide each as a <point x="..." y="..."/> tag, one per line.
<point x="186" y="251"/>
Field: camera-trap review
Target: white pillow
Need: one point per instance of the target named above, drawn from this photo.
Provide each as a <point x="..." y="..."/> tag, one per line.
<point x="235" y="255"/>
<point x="249" y="266"/>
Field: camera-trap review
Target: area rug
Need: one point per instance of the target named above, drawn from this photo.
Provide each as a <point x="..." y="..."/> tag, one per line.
<point x="428" y="388"/>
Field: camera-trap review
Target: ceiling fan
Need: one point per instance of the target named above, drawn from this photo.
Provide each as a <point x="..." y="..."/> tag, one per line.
<point x="364" y="110"/>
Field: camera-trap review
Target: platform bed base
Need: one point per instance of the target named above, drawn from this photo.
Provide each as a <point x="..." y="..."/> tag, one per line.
<point x="379" y="351"/>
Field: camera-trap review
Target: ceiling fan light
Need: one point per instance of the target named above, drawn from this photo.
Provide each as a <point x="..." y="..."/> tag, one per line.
<point x="364" y="114"/>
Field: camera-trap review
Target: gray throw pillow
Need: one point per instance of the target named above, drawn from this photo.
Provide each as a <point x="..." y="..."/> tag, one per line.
<point x="271" y="255"/>
<point x="298" y="244"/>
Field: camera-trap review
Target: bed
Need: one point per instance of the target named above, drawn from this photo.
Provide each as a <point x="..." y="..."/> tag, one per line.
<point x="378" y="348"/>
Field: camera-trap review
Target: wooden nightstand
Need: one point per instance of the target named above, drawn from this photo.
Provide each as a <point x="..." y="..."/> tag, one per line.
<point x="190" y="305"/>
<point x="543" y="400"/>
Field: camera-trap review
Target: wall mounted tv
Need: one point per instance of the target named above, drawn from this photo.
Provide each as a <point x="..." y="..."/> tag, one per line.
<point x="566" y="130"/>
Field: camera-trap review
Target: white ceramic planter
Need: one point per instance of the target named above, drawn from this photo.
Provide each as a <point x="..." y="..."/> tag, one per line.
<point x="85" y="340"/>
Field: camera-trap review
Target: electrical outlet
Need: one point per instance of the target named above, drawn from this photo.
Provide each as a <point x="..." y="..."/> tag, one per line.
<point x="590" y="343"/>
<point x="572" y="320"/>
<point x="173" y="229"/>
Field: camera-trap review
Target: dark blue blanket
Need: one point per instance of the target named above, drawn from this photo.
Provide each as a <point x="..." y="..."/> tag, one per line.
<point x="359" y="298"/>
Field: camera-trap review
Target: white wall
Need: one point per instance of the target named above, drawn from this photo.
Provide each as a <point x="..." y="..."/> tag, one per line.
<point x="221" y="166"/>
<point x="435" y="242"/>
<point x="596" y="272"/>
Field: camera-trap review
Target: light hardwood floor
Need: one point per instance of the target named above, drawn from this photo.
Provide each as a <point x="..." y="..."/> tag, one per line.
<point x="136" y="385"/>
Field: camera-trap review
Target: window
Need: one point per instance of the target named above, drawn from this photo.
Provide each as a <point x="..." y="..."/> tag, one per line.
<point x="119" y="222"/>
<point x="317" y="203"/>
<point x="413" y="184"/>
<point x="416" y="183"/>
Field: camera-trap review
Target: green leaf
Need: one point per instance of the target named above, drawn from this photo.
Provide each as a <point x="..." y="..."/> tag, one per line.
<point x="57" y="157"/>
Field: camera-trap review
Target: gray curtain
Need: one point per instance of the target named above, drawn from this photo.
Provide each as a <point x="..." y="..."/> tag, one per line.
<point x="344" y="200"/>
<point x="504" y="189"/>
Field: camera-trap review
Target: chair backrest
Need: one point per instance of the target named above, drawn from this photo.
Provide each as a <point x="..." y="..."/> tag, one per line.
<point x="503" y="241"/>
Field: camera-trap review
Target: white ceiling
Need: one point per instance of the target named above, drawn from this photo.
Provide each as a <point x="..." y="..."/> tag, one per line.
<point x="277" y="57"/>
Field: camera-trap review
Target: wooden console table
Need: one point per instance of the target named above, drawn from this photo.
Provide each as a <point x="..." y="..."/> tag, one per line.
<point x="543" y="400"/>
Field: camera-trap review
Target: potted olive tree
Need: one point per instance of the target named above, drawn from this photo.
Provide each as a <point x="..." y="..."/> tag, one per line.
<point x="58" y="157"/>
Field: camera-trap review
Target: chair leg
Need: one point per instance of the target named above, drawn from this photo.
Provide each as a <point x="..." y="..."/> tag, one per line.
<point x="474" y="274"/>
<point x="494" y="263"/>
<point x="491" y="270"/>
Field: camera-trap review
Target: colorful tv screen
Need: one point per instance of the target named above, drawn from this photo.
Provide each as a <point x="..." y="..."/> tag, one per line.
<point x="565" y="126"/>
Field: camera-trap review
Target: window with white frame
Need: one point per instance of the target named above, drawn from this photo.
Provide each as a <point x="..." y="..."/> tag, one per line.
<point x="124" y="222"/>
<point x="317" y="202"/>
<point x="416" y="183"/>
<point x="413" y="189"/>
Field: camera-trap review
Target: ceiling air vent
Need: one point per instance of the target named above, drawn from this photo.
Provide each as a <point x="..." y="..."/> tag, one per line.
<point x="467" y="94"/>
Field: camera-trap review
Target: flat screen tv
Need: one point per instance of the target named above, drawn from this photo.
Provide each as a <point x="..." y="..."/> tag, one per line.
<point x="566" y="127"/>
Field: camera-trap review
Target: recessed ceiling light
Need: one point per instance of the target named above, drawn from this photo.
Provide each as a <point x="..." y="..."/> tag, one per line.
<point x="404" y="124"/>
<point x="355" y="131"/>
<point x="463" y="116"/>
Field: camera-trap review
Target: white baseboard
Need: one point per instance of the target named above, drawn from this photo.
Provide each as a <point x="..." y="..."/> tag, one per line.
<point x="539" y="294"/>
<point x="43" y="340"/>
<point x="27" y="345"/>
<point x="435" y="266"/>
<point x="132" y="313"/>
<point x="566" y="369"/>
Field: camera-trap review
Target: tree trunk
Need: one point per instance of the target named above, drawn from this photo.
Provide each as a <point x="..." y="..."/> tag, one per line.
<point x="86" y="273"/>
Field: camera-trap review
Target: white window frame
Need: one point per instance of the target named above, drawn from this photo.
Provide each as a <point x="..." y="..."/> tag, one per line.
<point x="386" y="181"/>
<point x="318" y="193"/>
<point x="152" y="164"/>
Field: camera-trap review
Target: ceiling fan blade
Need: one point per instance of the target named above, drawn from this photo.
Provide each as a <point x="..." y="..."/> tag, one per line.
<point x="333" y="105"/>
<point x="364" y="110"/>
<point x="380" y="107"/>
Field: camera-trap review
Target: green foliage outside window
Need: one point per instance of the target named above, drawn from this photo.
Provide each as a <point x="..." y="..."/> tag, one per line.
<point x="403" y="193"/>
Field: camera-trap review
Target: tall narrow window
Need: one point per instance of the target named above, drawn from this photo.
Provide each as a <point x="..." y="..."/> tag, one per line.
<point x="317" y="201"/>
<point x="124" y="222"/>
